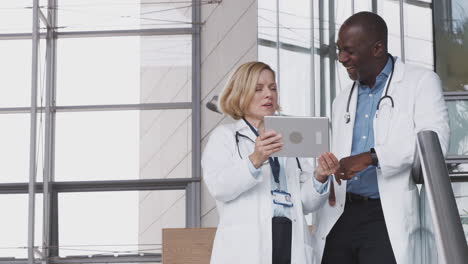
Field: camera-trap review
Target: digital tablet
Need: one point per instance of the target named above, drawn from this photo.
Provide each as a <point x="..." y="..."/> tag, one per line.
<point x="302" y="136"/>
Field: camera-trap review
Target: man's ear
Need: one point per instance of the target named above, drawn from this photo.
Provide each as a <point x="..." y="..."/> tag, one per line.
<point x="379" y="49"/>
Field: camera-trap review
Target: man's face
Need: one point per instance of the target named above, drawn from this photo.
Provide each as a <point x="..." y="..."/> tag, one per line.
<point x="355" y="52"/>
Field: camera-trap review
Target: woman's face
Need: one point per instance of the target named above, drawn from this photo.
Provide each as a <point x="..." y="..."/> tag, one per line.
<point x="265" y="99"/>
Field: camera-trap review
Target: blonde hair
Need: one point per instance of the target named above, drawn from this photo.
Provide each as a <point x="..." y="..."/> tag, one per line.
<point x="240" y="88"/>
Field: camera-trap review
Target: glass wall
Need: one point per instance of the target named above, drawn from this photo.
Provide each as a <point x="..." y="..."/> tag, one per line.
<point x="451" y="45"/>
<point x="114" y="151"/>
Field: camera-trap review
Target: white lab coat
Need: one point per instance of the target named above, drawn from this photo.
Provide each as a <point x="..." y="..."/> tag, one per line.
<point x="244" y="203"/>
<point x="419" y="105"/>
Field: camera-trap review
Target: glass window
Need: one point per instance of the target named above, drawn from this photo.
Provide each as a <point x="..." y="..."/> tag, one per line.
<point x="269" y="56"/>
<point x="267" y="20"/>
<point x="14" y="152"/>
<point x="343" y="10"/>
<point x="15" y="16"/>
<point x="88" y="15"/>
<point x="295" y="58"/>
<point x="389" y="10"/>
<point x="460" y="191"/>
<point x="418" y="35"/>
<point x="124" y="70"/>
<point x="127" y="222"/>
<point x="16" y="64"/>
<point x="16" y="68"/>
<point x="14" y="225"/>
<point x="360" y="5"/>
<point x="451" y="42"/>
<point x="123" y="145"/>
<point x="294" y="23"/>
<point x="295" y="87"/>
<point x="458" y="114"/>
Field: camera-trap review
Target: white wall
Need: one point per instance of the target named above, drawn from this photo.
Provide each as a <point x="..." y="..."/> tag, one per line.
<point x="229" y="38"/>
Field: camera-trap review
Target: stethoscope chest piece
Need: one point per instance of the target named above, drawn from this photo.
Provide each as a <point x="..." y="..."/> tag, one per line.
<point x="347" y="117"/>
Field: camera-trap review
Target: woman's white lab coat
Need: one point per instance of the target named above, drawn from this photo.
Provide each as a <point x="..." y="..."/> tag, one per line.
<point x="418" y="105"/>
<point x="244" y="203"/>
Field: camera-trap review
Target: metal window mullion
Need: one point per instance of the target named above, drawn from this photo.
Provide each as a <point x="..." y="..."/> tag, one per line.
<point x="312" y="59"/>
<point x="53" y="224"/>
<point x="455" y="96"/>
<point x="331" y="52"/>
<point x="322" y="92"/>
<point x="116" y="107"/>
<point x="278" y="52"/>
<point x="33" y="132"/>
<point x="127" y="33"/>
<point x="17" y="110"/>
<point x="44" y="19"/>
<point x="192" y="195"/>
<point x="17" y="36"/>
<point x="50" y="208"/>
<point x="102" y="186"/>
<point x="145" y="258"/>
<point x="103" y="33"/>
<point x="456" y="159"/>
<point x="402" y="31"/>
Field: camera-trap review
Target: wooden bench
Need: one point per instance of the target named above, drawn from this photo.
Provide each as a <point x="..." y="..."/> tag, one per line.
<point x="188" y="245"/>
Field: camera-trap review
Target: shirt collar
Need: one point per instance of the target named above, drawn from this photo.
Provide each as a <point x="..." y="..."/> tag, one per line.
<point x="387" y="69"/>
<point x="382" y="76"/>
<point x="244" y="129"/>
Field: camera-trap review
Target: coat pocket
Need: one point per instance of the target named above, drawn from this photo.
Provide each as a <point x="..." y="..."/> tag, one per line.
<point x="236" y="244"/>
<point x="392" y="125"/>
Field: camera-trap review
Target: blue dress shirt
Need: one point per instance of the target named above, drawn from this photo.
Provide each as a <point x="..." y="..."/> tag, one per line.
<point x="365" y="182"/>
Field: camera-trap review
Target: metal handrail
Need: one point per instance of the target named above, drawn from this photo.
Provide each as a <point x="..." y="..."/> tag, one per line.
<point x="448" y="231"/>
<point x="416" y="170"/>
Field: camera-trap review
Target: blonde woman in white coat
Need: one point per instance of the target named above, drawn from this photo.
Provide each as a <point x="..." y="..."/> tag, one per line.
<point x="261" y="201"/>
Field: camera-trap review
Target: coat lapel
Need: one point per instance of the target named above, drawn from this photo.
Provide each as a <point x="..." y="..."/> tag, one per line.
<point x="347" y="132"/>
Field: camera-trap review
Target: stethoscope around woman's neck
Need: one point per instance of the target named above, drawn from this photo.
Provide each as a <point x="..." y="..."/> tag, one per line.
<point x="386" y="96"/>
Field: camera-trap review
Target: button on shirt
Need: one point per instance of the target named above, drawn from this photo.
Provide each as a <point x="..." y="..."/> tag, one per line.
<point x="365" y="182"/>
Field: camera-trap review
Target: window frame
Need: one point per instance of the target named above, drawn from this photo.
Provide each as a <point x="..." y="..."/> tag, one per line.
<point x="49" y="188"/>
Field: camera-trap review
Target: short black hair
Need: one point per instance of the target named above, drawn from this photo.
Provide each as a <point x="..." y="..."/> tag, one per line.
<point x="372" y="24"/>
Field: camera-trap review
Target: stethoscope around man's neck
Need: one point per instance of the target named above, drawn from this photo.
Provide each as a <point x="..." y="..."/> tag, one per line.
<point x="386" y="96"/>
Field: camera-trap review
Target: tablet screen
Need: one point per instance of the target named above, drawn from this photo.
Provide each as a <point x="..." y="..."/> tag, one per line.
<point x="302" y="136"/>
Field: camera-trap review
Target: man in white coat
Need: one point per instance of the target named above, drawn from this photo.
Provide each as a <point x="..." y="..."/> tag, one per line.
<point x="374" y="215"/>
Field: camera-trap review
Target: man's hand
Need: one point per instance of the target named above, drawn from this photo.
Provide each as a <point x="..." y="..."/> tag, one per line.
<point x="351" y="165"/>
